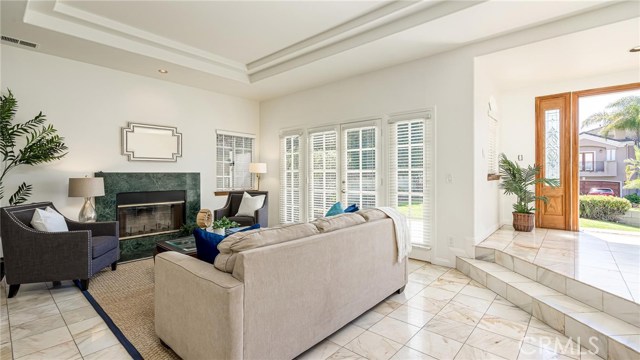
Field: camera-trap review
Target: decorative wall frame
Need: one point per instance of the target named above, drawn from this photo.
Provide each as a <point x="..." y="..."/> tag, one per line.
<point x="144" y="142"/>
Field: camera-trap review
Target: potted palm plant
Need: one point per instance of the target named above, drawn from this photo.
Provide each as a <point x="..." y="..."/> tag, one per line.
<point x="519" y="181"/>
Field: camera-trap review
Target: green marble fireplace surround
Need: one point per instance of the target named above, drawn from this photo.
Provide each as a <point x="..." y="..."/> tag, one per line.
<point x="121" y="182"/>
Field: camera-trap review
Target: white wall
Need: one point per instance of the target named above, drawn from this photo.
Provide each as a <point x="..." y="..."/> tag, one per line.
<point x="89" y="105"/>
<point x="485" y="192"/>
<point x="440" y="81"/>
<point x="517" y="126"/>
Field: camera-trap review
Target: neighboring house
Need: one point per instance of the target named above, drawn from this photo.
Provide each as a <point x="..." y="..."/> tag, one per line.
<point x="601" y="160"/>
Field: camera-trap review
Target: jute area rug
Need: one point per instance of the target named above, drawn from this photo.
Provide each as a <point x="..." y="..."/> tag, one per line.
<point x="126" y="295"/>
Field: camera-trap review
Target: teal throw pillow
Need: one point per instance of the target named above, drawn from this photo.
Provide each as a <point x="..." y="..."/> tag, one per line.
<point x="335" y="209"/>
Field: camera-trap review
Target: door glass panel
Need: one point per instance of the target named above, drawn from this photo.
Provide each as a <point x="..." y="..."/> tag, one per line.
<point x="360" y="168"/>
<point x="552" y="144"/>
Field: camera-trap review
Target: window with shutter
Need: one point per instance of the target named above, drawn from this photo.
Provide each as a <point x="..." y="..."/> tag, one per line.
<point x="359" y="166"/>
<point x="323" y="172"/>
<point x="290" y="178"/>
<point x="411" y="172"/>
<point x="234" y="153"/>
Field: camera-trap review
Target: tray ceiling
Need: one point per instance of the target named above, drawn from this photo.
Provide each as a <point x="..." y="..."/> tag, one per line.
<point x="262" y="49"/>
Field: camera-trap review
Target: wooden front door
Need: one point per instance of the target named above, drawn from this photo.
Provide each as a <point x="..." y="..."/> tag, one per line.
<point x="554" y="153"/>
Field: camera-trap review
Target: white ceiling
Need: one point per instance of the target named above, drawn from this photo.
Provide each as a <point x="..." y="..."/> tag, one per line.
<point x="263" y="49"/>
<point x="242" y="31"/>
<point x="593" y="52"/>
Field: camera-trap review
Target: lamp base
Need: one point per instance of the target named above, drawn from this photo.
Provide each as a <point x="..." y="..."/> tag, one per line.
<point x="87" y="212"/>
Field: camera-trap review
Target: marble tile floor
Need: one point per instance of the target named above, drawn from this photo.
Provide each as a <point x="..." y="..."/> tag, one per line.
<point x="442" y="314"/>
<point x="606" y="261"/>
<point x="53" y="323"/>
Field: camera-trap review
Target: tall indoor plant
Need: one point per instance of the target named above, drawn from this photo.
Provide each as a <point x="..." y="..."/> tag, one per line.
<point x="519" y="181"/>
<point x="28" y="143"/>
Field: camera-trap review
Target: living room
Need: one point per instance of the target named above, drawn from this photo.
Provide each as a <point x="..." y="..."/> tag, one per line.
<point x="91" y="88"/>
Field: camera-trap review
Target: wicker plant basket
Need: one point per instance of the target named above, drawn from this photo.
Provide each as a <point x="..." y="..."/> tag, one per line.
<point x="523" y="222"/>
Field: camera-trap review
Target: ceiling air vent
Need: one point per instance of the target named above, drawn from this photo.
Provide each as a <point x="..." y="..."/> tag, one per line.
<point x="19" y="42"/>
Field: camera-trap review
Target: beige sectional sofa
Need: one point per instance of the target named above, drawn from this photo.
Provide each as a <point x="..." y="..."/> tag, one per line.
<point x="281" y="297"/>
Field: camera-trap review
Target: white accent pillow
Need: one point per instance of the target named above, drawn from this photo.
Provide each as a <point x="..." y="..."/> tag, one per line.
<point x="48" y="220"/>
<point x="250" y="204"/>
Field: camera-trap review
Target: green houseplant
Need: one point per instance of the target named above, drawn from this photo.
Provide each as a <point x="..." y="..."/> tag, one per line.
<point x="221" y="224"/>
<point x="28" y="143"/>
<point x="519" y="181"/>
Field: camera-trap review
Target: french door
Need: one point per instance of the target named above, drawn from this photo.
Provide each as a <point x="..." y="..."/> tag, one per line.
<point x="344" y="161"/>
<point x="360" y="156"/>
<point x="352" y="163"/>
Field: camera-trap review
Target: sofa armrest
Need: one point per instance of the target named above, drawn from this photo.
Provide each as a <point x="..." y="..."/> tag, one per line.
<point x="261" y="216"/>
<point x="36" y="256"/>
<point x="105" y="228"/>
<point x="197" y="304"/>
<point x="222" y="212"/>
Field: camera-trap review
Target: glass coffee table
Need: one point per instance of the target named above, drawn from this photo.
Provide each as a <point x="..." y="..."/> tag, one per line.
<point x="184" y="245"/>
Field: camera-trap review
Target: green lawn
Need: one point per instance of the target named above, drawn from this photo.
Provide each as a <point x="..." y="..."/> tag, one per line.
<point x="606" y="225"/>
<point x="416" y="210"/>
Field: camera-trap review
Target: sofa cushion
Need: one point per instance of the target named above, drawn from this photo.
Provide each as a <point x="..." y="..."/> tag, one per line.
<point x="48" y="220"/>
<point x="372" y="214"/>
<point x="102" y="245"/>
<point x="337" y="222"/>
<point x="238" y="242"/>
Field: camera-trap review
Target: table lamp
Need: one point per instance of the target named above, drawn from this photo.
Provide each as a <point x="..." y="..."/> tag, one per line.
<point x="258" y="168"/>
<point x="87" y="188"/>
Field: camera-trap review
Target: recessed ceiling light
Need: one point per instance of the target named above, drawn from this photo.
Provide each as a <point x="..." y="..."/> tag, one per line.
<point x="635" y="49"/>
<point x="163" y="71"/>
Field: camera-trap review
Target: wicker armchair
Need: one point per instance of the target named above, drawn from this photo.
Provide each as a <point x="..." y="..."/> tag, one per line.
<point x="230" y="209"/>
<point x="35" y="256"/>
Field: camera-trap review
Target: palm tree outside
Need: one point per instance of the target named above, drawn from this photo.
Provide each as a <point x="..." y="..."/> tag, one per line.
<point x="622" y="114"/>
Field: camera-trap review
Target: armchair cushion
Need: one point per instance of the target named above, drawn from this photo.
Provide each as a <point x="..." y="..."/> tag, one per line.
<point x="243" y="220"/>
<point x="48" y="220"/>
<point x="102" y="245"/>
<point x="250" y="204"/>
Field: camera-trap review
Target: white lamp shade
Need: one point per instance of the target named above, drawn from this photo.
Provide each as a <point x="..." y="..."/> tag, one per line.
<point x="86" y="187"/>
<point x="258" y="168"/>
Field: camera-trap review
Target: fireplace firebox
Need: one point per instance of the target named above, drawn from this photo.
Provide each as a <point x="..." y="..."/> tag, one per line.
<point x="150" y="213"/>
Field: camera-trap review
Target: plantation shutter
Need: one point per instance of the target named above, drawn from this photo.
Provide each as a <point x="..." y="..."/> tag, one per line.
<point x="234" y="153"/>
<point x="290" y="178"/>
<point x="360" y="164"/>
<point x="411" y="172"/>
<point x="323" y="172"/>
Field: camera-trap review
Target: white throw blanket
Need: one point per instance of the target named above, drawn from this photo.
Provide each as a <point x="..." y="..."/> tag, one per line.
<point x="403" y="235"/>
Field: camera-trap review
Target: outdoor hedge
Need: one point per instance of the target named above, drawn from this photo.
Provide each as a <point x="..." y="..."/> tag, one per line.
<point x="607" y="208"/>
<point x="634" y="198"/>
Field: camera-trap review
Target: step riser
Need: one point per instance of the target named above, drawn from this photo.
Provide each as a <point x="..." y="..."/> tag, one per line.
<point x="613" y="305"/>
<point x="604" y="346"/>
